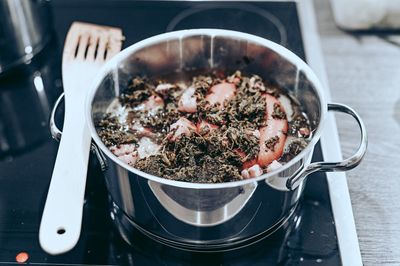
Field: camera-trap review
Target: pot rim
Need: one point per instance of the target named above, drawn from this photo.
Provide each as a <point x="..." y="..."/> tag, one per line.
<point x="284" y="52"/>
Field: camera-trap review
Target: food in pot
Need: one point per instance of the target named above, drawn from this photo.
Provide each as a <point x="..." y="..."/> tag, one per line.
<point x="215" y="128"/>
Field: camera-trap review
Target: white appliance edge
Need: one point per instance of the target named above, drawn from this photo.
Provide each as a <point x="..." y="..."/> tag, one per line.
<point x="338" y="189"/>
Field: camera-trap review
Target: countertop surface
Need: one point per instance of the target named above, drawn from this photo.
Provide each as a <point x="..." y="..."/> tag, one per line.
<point x="364" y="72"/>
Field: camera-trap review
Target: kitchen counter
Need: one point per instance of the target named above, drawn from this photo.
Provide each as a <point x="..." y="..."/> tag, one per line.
<point x="364" y="72"/>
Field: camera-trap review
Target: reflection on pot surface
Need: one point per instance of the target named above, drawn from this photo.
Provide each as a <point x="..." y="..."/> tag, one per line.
<point x="209" y="208"/>
<point x="297" y="242"/>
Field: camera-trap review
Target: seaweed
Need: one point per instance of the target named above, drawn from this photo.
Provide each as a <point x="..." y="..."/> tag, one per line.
<point x="215" y="153"/>
<point x="194" y="158"/>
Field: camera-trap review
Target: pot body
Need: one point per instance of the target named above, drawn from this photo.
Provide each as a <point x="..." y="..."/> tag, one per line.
<point x="25" y="28"/>
<point x="216" y="218"/>
<point x="205" y="216"/>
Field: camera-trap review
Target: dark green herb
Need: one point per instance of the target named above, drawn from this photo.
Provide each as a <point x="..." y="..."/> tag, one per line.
<point x="111" y="132"/>
<point x="160" y="121"/>
<point x="194" y="158"/>
<point x="271" y="142"/>
<point x="278" y="113"/>
<point x="298" y="122"/>
<point x="294" y="148"/>
<point x="214" y="154"/>
<point x="137" y="91"/>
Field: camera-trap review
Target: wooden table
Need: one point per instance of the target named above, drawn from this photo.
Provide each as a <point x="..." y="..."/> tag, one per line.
<point x="364" y="72"/>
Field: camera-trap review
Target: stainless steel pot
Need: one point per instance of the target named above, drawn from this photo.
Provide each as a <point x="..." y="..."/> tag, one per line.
<point x="211" y="216"/>
<point x="25" y="29"/>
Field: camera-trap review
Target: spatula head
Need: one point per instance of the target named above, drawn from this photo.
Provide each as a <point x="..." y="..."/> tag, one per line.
<point x="92" y="42"/>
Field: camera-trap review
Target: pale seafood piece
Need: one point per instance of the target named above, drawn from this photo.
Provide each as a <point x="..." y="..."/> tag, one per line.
<point x="181" y="127"/>
<point x="188" y="102"/>
<point x="245" y="174"/>
<point x="129" y="153"/>
<point x="273" y="166"/>
<point x="286" y="103"/>
<point x="121" y="112"/>
<point x="305" y="132"/>
<point x="152" y="105"/>
<point x="257" y="83"/>
<point x="220" y="93"/>
<point x="163" y="88"/>
<point x="146" y="147"/>
<point x="140" y="130"/>
<point x="276" y="128"/>
<point x="256" y="133"/>
<point x="122" y="149"/>
<point x="251" y="172"/>
<point x="255" y="170"/>
<point x="129" y="158"/>
<point x="125" y="152"/>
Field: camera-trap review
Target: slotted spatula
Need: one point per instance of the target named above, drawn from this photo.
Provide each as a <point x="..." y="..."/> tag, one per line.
<point x="87" y="48"/>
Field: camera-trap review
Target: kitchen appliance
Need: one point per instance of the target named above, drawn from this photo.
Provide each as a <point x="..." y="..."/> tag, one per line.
<point x="25" y="29"/>
<point x="321" y="231"/>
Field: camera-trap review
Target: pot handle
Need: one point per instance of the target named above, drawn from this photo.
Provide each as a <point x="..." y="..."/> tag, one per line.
<point x="54" y="130"/>
<point x="56" y="134"/>
<point x="344" y="165"/>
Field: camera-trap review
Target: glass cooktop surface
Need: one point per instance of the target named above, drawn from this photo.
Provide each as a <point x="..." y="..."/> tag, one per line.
<point x="27" y="151"/>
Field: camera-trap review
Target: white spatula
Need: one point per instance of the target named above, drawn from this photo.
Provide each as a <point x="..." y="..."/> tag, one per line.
<point x="87" y="48"/>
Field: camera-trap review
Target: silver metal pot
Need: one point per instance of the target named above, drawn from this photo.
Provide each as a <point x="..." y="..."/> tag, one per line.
<point x="211" y="216"/>
<point x="25" y="29"/>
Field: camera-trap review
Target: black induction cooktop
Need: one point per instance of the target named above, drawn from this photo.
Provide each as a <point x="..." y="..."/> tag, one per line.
<point x="27" y="151"/>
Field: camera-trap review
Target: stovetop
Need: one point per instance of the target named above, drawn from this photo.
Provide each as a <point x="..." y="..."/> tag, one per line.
<point x="27" y="151"/>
